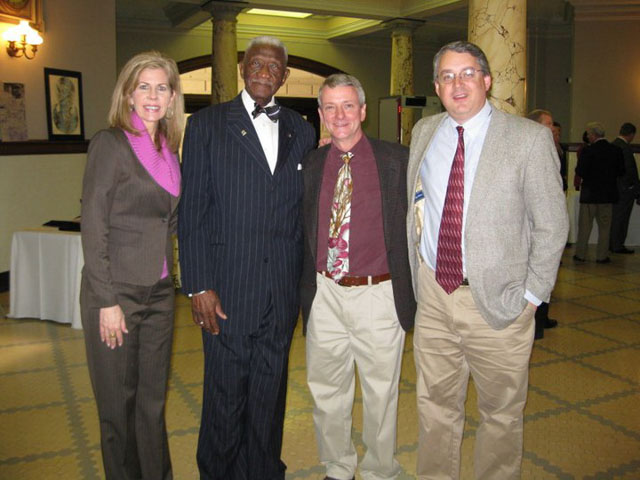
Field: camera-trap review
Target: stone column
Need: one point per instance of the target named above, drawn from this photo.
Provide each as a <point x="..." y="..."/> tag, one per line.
<point x="402" y="69"/>
<point x="499" y="28"/>
<point x="224" y="56"/>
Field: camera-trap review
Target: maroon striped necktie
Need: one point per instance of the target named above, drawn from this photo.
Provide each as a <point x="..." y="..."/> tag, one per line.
<point x="449" y="256"/>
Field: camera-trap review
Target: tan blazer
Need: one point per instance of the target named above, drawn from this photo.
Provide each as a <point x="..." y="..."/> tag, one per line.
<point x="517" y="221"/>
<point x="127" y="219"/>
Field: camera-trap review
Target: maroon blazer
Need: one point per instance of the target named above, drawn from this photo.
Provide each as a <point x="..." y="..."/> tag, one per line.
<point x="391" y="159"/>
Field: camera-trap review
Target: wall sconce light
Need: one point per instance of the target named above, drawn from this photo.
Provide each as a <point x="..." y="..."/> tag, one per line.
<point x="20" y="38"/>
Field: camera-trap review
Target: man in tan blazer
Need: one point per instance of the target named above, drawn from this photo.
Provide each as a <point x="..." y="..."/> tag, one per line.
<point x="486" y="232"/>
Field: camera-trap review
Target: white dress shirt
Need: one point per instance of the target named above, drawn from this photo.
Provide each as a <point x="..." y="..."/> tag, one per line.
<point x="266" y="129"/>
<point x="434" y="174"/>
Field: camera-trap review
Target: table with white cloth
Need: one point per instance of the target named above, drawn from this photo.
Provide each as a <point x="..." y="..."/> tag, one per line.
<point x="573" y="206"/>
<point x="46" y="267"/>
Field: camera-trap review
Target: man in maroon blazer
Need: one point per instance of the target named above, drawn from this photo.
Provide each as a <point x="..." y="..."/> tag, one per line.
<point x="356" y="294"/>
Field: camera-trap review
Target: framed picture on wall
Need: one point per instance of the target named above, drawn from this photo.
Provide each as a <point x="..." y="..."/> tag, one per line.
<point x="12" y="11"/>
<point x="63" y="90"/>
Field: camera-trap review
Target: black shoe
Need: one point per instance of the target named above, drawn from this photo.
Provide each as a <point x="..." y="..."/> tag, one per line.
<point x="550" y="323"/>
<point x="624" y="250"/>
<point x="604" y="260"/>
<point x="578" y="259"/>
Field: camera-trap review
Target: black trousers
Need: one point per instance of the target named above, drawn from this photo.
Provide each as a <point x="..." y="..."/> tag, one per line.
<point x="620" y="215"/>
<point x="130" y="382"/>
<point x="245" y="385"/>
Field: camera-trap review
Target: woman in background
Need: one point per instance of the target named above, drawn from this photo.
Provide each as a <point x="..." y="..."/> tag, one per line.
<point x="130" y="193"/>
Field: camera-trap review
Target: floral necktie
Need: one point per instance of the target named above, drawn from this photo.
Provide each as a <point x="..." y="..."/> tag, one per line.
<point x="339" y="224"/>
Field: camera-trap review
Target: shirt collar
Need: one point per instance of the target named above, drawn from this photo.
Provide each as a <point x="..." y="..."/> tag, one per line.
<point x="475" y="121"/>
<point x="249" y="103"/>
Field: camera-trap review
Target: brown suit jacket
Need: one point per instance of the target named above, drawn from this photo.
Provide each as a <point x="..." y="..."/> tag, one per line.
<point x="127" y="219"/>
<point x="391" y="159"/>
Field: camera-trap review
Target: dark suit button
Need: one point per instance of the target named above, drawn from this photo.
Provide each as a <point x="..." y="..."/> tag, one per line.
<point x="265" y="259"/>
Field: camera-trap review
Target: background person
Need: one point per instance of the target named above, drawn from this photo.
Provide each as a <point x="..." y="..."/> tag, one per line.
<point x="628" y="191"/>
<point x="129" y="201"/>
<point x="599" y="165"/>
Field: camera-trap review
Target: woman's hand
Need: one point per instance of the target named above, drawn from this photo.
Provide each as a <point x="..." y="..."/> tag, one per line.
<point x="112" y="326"/>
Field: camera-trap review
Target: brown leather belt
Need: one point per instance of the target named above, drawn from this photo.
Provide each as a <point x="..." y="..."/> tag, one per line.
<point x="359" y="281"/>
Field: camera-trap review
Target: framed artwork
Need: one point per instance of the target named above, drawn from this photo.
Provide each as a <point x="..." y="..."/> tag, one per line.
<point x="12" y="11"/>
<point x="63" y="90"/>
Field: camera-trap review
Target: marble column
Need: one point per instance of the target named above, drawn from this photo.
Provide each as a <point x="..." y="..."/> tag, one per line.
<point x="499" y="28"/>
<point x="224" y="56"/>
<point x="402" y="69"/>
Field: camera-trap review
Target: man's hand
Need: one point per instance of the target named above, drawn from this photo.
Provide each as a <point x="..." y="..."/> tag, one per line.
<point x="206" y="307"/>
<point x="112" y="326"/>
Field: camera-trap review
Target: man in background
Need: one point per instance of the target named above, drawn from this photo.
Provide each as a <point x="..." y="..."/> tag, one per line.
<point x="628" y="190"/>
<point x="599" y="165"/>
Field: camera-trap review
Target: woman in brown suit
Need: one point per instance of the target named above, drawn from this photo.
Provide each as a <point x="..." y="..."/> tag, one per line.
<point x="130" y="193"/>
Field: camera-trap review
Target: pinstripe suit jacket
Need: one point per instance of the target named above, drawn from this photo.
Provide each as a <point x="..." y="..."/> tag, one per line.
<point x="391" y="160"/>
<point x="127" y="219"/>
<point x="239" y="226"/>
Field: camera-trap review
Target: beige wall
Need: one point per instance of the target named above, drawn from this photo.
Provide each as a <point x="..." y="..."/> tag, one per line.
<point x="606" y="75"/>
<point x="78" y="36"/>
<point x="369" y="62"/>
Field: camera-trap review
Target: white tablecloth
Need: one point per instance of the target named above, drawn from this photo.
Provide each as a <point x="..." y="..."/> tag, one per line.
<point x="573" y="206"/>
<point x="46" y="266"/>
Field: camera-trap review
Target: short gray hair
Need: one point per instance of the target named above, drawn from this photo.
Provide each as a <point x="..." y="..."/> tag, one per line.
<point x="342" y="80"/>
<point x="596" y="129"/>
<point x="461" y="46"/>
<point x="266" y="40"/>
<point x="537" y="114"/>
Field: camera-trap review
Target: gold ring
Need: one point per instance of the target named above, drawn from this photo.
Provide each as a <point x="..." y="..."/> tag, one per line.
<point x="112" y="335"/>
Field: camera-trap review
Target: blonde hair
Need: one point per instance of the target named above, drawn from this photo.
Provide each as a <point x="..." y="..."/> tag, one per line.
<point x="172" y="125"/>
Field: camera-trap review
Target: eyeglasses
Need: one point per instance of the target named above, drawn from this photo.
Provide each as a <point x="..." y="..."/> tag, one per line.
<point x="465" y="75"/>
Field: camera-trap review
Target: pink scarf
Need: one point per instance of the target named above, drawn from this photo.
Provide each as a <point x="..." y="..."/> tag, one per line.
<point x="162" y="165"/>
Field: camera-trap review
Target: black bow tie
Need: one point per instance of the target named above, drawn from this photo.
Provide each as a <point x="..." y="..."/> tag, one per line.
<point x="273" y="112"/>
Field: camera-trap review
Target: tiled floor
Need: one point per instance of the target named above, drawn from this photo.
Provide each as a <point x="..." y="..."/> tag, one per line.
<point x="582" y="419"/>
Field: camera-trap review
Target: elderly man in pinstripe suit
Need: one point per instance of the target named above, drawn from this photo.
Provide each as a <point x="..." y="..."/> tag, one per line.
<point x="241" y="258"/>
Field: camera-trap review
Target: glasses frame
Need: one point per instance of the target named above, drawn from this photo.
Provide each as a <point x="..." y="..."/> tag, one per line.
<point x="464" y="75"/>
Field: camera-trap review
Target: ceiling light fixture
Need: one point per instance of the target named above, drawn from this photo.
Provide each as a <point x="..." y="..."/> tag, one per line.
<point x="278" y="13"/>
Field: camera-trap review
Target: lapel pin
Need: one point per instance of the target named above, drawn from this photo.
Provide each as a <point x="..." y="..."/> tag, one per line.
<point x="243" y="132"/>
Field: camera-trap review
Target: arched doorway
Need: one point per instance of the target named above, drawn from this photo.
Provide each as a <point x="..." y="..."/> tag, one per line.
<point x="299" y="93"/>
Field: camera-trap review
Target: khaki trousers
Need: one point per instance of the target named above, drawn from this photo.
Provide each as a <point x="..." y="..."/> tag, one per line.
<point x="355" y="326"/>
<point x="451" y="340"/>
<point x="602" y="214"/>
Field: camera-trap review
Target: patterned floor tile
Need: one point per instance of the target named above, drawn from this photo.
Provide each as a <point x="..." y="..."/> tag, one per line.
<point x="620" y="329"/>
<point x="34" y="433"/>
<point x="612" y="304"/>
<point x="571" y="382"/>
<point x="574" y="342"/>
<point x="621" y="363"/>
<point x="574" y="443"/>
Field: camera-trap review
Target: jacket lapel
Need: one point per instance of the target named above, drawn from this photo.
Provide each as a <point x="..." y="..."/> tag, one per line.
<point x="488" y="165"/>
<point x="388" y="176"/>
<point x="313" y="171"/>
<point x="242" y="130"/>
<point x="286" y="135"/>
